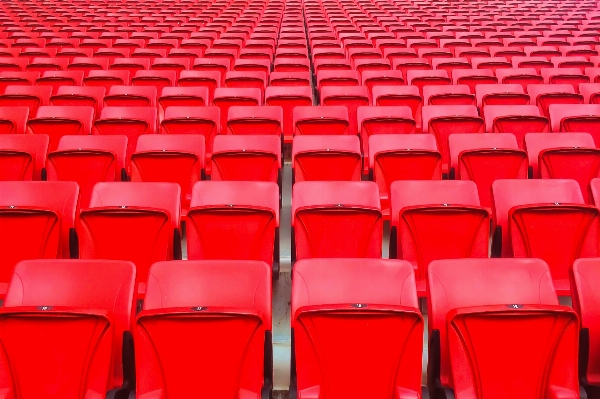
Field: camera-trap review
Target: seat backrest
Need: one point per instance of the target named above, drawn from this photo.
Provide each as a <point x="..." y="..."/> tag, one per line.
<point x="13" y="120"/>
<point x="309" y="120"/>
<point x="57" y="121"/>
<point x="536" y="143"/>
<point x="326" y="157"/>
<point x="246" y="157"/>
<point x="31" y="97"/>
<point x="264" y="120"/>
<point x="388" y="353"/>
<point x="80" y="95"/>
<point x="79" y="284"/>
<point x="322" y="210"/>
<point x="136" y="96"/>
<point x="37" y="218"/>
<point x="23" y="156"/>
<point x="205" y="301"/>
<point x="492" y="282"/>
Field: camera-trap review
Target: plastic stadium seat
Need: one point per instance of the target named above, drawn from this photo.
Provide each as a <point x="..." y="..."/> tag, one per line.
<point x="230" y="331"/>
<point x="448" y="95"/>
<point x="17" y="78"/>
<point x="422" y="79"/>
<point x="411" y="64"/>
<point x="13" y="64"/>
<point x="226" y="98"/>
<point x="572" y="76"/>
<point x="510" y="298"/>
<point x="395" y="157"/>
<point x="473" y="77"/>
<point x="331" y="64"/>
<point x="500" y="94"/>
<point x="209" y="79"/>
<point x="289" y="79"/>
<point x="246" y="157"/>
<point x="336" y="219"/>
<point x="43" y="64"/>
<point x="433" y="52"/>
<point x="131" y="96"/>
<point x="79" y="95"/>
<point x="436" y="220"/>
<point x="175" y="158"/>
<point x="87" y="160"/>
<point x="450" y="64"/>
<point x="444" y="120"/>
<point x="351" y="97"/>
<point x="129" y="221"/>
<point x="87" y="65"/>
<point x="248" y="65"/>
<point x="546" y="219"/>
<point x="542" y="51"/>
<point x="522" y="76"/>
<point x="400" y="95"/>
<point x="22" y="156"/>
<point x="56" y="79"/>
<point x="326" y="158"/>
<point x="484" y="158"/>
<point x="579" y="62"/>
<point x="127" y="121"/>
<point x="471" y="53"/>
<point x="263" y="120"/>
<point x="106" y="79"/>
<point x="181" y="97"/>
<point x="493" y="63"/>
<point x="171" y="64"/>
<point x="156" y="79"/>
<point x="564" y="156"/>
<point x="291" y="65"/>
<point x="220" y="65"/>
<point x="371" y="79"/>
<point x="364" y="65"/>
<point x="13" y="120"/>
<point x="330" y="120"/>
<point x="108" y="54"/>
<point x="36" y="222"/>
<point x="592" y="73"/>
<point x="584" y="278"/>
<point x="246" y="79"/>
<point x="590" y="92"/>
<point x="59" y="121"/>
<point x="337" y="78"/>
<point x="288" y="98"/>
<point x="31" y="97"/>
<point x="234" y="220"/>
<point x="516" y="119"/>
<point x="376" y="306"/>
<point x="582" y="118"/>
<point x="543" y="95"/>
<point x="96" y="297"/>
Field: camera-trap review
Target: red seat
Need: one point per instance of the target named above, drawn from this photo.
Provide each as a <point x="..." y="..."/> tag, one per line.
<point x="234" y="220"/>
<point x="592" y="73"/>
<point x="58" y="121"/>
<point x="577" y="61"/>
<point x="564" y="156"/>
<point x="246" y="79"/>
<point x="516" y="119"/>
<point x="252" y="65"/>
<point x="130" y="64"/>
<point x="543" y="95"/>
<point x="336" y="219"/>
<point x="351" y="97"/>
<point x="36" y="219"/>
<point x="288" y="98"/>
<point x="330" y="120"/>
<point x="326" y="158"/>
<point x="410" y="64"/>
<point x="522" y="76"/>
<point x="175" y="158"/>
<point x="444" y="120"/>
<point x="509" y="298"/>
<point x="13" y="64"/>
<point x="171" y="64"/>
<point x="590" y="92"/>
<point x="291" y="65"/>
<point x="229" y="97"/>
<point x="375" y="304"/>
<point x="22" y="156"/>
<point x="87" y="160"/>
<point x="84" y="307"/>
<point x="370" y="79"/>
<point x="450" y="64"/>
<point x="106" y="79"/>
<point x="131" y="96"/>
<point x="379" y="64"/>
<point x="395" y="157"/>
<point x="126" y="121"/>
<point x="245" y="120"/>
<point x="337" y="78"/>
<point x="328" y="64"/>
<point x="423" y="79"/>
<point x="222" y="312"/>
<point x="572" y="76"/>
<point x="545" y="219"/>
<point x="220" y="65"/>
<point x="400" y="96"/>
<point x="17" y="78"/>
<point x="542" y="51"/>
<point x="493" y="63"/>
<point x="436" y="220"/>
<point x="582" y="118"/>
<point x="31" y="97"/>
<point x="152" y="78"/>
<point x="129" y="221"/>
<point x="246" y="157"/>
<point x="289" y="79"/>
<point x="584" y="278"/>
<point x="56" y="79"/>
<point x="484" y="158"/>
<point x="79" y="95"/>
<point x="500" y="94"/>
<point x="181" y="97"/>
<point x="209" y="79"/>
<point x="13" y="120"/>
<point x="448" y="95"/>
<point x="473" y="77"/>
<point x="43" y="64"/>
